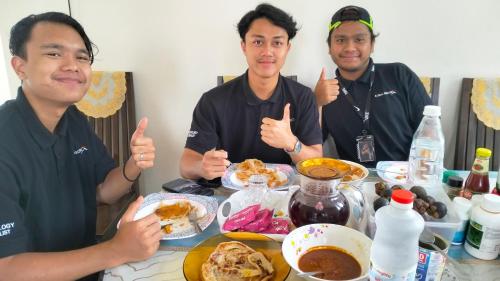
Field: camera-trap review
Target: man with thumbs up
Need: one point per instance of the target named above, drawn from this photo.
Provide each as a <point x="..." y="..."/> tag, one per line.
<point x="54" y="169"/>
<point x="371" y="110"/>
<point x="260" y="114"/>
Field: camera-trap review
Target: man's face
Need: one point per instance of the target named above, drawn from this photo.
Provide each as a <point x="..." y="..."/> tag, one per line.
<point x="56" y="69"/>
<point x="351" y="46"/>
<point x="265" y="47"/>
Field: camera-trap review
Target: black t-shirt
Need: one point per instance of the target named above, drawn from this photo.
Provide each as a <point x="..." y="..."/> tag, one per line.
<point x="48" y="181"/>
<point x="229" y="117"/>
<point x="397" y="104"/>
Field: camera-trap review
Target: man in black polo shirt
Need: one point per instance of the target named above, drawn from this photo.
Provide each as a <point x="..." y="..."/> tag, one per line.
<point x="260" y="114"/>
<point x="379" y="106"/>
<point x="53" y="167"/>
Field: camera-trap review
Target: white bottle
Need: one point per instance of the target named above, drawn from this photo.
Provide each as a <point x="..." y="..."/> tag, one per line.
<point x="483" y="236"/>
<point x="394" y="251"/>
<point x="427" y="150"/>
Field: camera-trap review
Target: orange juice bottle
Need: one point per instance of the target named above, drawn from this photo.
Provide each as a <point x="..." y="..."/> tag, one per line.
<point x="478" y="182"/>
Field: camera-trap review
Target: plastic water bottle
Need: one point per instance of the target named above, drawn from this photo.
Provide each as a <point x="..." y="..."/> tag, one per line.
<point x="394" y="251"/>
<point x="427" y="150"/>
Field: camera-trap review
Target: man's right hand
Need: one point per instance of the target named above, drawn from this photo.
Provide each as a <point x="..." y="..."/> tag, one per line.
<point x="214" y="164"/>
<point x="326" y="90"/>
<point x="137" y="240"/>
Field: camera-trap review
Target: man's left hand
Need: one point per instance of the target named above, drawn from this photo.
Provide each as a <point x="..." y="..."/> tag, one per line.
<point x="142" y="147"/>
<point x="277" y="133"/>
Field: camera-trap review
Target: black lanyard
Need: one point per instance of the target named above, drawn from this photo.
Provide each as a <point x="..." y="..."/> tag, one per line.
<point x="365" y="118"/>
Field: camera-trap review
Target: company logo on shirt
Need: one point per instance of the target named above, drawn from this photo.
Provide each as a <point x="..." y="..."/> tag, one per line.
<point x="80" y="150"/>
<point x="391" y="92"/>
<point x="5" y="229"/>
<point x="192" y="134"/>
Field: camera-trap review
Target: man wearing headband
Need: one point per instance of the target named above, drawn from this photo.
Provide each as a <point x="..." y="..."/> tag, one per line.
<point x="260" y="114"/>
<point x="371" y="110"/>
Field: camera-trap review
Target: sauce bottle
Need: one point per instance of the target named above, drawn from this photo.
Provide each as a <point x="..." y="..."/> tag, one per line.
<point x="478" y="182"/>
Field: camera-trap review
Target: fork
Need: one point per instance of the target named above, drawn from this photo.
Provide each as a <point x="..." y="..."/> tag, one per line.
<point x="193" y="219"/>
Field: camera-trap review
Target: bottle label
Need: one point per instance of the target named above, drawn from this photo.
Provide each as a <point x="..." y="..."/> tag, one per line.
<point x="377" y="274"/>
<point x="483" y="238"/>
<point x="480" y="166"/>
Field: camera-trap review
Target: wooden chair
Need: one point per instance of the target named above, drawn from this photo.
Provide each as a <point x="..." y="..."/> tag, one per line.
<point x="431" y="85"/>
<point x="473" y="133"/>
<point x="115" y="131"/>
<point x="223" y="79"/>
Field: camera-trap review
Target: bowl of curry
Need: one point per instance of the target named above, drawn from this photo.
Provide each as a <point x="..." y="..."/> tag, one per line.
<point x="335" y="252"/>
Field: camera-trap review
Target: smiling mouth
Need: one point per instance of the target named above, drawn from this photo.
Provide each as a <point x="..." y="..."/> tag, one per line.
<point x="69" y="80"/>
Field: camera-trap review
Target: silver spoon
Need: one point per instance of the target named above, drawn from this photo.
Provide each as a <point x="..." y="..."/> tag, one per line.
<point x="308" y="274"/>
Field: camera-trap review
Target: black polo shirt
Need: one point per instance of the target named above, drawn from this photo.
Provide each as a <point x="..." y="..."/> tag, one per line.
<point x="397" y="105"/>
<point x="229" y="117"/>
<point x="48" y="181"/>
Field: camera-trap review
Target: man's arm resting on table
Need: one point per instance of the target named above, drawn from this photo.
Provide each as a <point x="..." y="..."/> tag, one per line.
<point x="115" y="185"/>
<point x="69" y="265"/>
<point x="210" y="165"/>
<point x="190" y="166"/>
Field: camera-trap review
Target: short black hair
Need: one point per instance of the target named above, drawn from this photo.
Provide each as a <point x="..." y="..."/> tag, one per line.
<point x="20" y="33"/>
<point x="277" y="16"/>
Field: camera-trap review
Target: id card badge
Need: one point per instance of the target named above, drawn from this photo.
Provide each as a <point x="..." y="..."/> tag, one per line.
<point x="365" y="146"/>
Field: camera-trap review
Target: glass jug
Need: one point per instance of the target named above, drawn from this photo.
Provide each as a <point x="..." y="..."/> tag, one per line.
<point x="322" y="198"/>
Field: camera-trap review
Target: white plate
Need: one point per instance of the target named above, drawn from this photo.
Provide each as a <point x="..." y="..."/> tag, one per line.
<point x="395" y="172"/>
<point x="276" y="200"/>
<point x="206" y="207"/>
<point x="284" y="171"/>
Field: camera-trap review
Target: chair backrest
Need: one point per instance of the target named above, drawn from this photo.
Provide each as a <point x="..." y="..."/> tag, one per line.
<point x="473" y="133"/>
<point x="225" y="78"/>
<point x="431" y="85"/>
<point x="115" y="131"/>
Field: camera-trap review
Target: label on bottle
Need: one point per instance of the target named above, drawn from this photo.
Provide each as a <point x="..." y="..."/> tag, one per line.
<point x="481" y="166"/>
<point x="377" y="274"/>
<point x="459" y="236"/>
<point x="483" y="238"/>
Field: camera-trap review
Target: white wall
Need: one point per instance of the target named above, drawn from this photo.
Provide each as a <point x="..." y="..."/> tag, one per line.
<point x="177" y="48"/>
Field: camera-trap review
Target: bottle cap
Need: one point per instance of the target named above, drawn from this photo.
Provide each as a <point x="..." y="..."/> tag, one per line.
<point x="447" y="174"/>
<point x="455" y="181"/>
<point x="402" y="196"/>
<point x="432" y="110"/>
<point x="483" y="152"/>
<point x="491" y="203"/>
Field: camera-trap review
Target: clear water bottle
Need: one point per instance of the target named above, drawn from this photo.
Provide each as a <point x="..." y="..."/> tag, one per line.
<point x="427" y="150"/>
<point x="394" y="251"/>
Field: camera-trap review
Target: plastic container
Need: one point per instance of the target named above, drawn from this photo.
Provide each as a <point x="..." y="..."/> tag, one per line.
<point x="462" y="207"/>
<point x="394" y="251"/>
<point x="427" y="150"/>
<point x="483" y="236"/>
<point x="445" y="226"/>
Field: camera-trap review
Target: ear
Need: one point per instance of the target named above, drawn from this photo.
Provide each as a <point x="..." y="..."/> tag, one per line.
<point x="18" y="64"/>
<point x="243" y="46"/>
<point x="289" y="46"/>
<point x="372" y="48"/>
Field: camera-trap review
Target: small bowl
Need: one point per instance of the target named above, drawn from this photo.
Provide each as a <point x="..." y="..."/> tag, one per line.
<point x="303" y="238"/>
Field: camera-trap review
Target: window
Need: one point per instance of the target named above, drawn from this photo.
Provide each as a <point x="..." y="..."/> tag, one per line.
<point x="4" y="82"/>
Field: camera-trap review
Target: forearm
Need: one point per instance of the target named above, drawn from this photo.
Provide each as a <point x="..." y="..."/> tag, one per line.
<point x="115" y="185"/>
<point x="307" y="152"/>
<point x="190" y="166"/>
<point x="69" y="265"/>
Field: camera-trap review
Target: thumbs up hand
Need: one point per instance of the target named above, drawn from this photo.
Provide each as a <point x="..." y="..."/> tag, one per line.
<point x="326" y="90"/>
<point x="142" y="147"/>
<point x="278" y="133"/>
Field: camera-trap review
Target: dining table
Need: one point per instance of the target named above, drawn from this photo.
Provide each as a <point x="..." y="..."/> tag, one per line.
<point x="168" y="262"/>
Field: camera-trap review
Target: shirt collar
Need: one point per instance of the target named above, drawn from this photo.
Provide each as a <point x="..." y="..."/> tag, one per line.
<point x="364" y="78"/>
<point x="40" y="134"/>
<point x="252" y="99"/>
